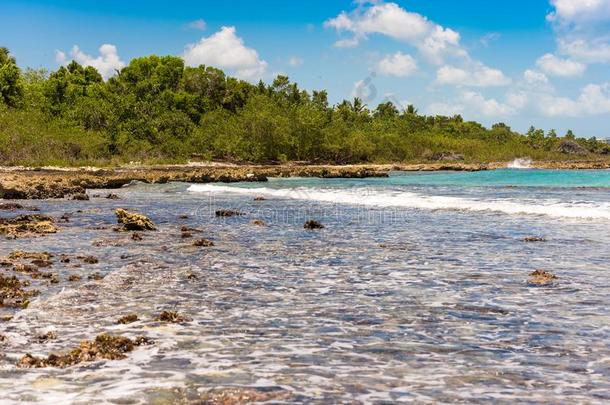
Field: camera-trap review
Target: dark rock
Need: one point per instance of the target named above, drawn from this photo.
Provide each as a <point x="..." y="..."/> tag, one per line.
<point x="570" y="147"/>
<point x="203" y="243"/>
<point x="46" y="337"/>
<point x="74" y="277"/>
<point x="541" y="277"/>
<point x="228" y="213"/>
<point x="186" y="235"/>
<point x="171" y="317"/>
<point x="258" y="222"/>
<point x="80" y="197"/>
<point x="131" y="318"/>
<point x="27" y="226"/>
<point x="113" y="197"/>
<point x="313" y="224"/>
<point x="104" y="347"/>
<point x="90" y="259"/>
<point x="136" y="236"/>
<point x="534" y="239"/>
<point x="447" y="156"/>
<point x="260" y="198"/>
<point x="95" y="277"/>
<point x="11" y="206"/>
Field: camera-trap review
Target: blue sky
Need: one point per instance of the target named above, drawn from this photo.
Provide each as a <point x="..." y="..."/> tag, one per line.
<point x="524" y="62"/>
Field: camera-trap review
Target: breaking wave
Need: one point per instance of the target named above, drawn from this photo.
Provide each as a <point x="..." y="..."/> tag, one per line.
<point x="404" y="199"/>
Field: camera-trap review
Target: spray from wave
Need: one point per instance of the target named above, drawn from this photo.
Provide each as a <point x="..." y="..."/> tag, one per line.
<point x="402" y="199"/>
<point x="520" y="163"/>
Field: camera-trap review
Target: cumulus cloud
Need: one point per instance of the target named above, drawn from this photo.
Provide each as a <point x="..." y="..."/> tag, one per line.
<point x="588" y="51"/>
<point x="226" y="50"/>
<point x="477" y="75"/>
<point x="107" y="63"/>
<point x="199" y="24"/>
<point x="594" y="99"/>
<point x="555" y="66"/>
<point x="398" y="64"/>
<point x="579" y="11"/>
<point x="389" y="19"/>
<point x="295" y="61"/>
<point x="535" y="77"/>
<point x="473" y="103"/>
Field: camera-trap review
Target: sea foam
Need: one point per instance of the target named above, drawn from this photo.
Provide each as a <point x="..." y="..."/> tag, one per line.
<point x="404" y="199"/>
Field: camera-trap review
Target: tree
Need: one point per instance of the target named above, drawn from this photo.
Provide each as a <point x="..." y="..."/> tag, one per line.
<point x="11" y="87"/>
<point x="386" y="110"/>
<point x="570" y="134"/>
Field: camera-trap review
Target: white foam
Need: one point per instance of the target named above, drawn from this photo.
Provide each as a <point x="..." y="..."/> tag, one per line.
<point x="389" y="198"/>
<point x="520" y="163"/>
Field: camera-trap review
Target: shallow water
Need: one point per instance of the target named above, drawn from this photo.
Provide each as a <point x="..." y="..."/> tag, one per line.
<point x="416" y="290"/>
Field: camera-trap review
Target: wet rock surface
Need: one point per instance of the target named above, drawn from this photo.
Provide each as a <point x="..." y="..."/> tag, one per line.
<point x="27" y="226"/>
<point x="312" y="224"/>
<point x="542" y="277"/>
<point x="225" y="213"/>
<point x="104" y="347"/>
<point x="133" y="221"/>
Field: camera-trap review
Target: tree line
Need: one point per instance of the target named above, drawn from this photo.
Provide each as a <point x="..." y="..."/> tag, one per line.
<point x="158" y="109"/>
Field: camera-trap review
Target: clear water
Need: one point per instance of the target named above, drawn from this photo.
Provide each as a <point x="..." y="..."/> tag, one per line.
<point x="416" y="291"/>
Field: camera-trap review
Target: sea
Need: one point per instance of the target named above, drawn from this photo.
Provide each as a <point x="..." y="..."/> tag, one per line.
<point x="416" y="290"/>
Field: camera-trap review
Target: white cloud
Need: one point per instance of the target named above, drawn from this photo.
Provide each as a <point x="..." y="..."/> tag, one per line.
<point x="225" y="50"/>
<point x="199" y="24"/>
<point x="535" y="77"/>
<point x="107" y="64"/>
<point x="588" y="51"/>
<point x="555" y="66"/>
<point x="477" y="75"/>
<point x="579" y="11"/>
<point x="517" y="99"/>
<point x="446" y="109"/>
<point x="594" y="99"/>
<point x="389" y="19"/>
<point x="295" y="61"/>
<point x="488" y="107"/>
<point x="398" y="64"/>
<point x="472" y="103"/>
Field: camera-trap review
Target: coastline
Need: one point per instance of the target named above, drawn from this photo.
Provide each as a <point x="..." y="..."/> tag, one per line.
<point x="61" y="182"/>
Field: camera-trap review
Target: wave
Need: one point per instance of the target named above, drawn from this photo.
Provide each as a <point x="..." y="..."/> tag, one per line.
<point x="402" y="199"/>
<point x="520" y="163"/>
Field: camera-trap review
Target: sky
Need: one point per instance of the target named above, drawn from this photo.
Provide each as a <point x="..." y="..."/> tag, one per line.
<point x="523" y="62"/>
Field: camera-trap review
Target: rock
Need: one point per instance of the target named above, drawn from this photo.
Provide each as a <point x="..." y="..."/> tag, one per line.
<point x="13" y="292"/>
<point x="534" y="239"/>
<point x="134" y="222"/>
<point x="183" y="216"/>
<point x="112" y="197"/>
<point x="20" y="254"/>
<point x="203" y="243"/>
<point x="131" y="318"/>
<point x="74" y="277"/>
<point x="136" y="236"/>
<point x="171" y="317"/>
<point x="11" y="206"/>
<point x="244" y="395"/>
<point x="541" y="277"/>
<point x="46" y="337"/>
<point x="95" y="277"/>
<point x="80" y="197"/>
<point x="42" y="263"/>
<point x="228" y="213"/>
<point x="570" y="147"/>
<point x="447" y="156"/>
<point x="89" y="259"/>
<point x="27" y="225"/>
<point x="313" y="224"/>
<point x="104" y="347"/>
<point x="186" y="235"/>
<point x="258" y="222"/>
<point x="260" y="198"/>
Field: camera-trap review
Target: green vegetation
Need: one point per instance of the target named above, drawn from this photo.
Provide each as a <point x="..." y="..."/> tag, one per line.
<point x="158" y="110"/>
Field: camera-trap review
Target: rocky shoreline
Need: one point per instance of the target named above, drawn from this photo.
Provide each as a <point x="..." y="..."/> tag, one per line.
<point x="43" y="183"/>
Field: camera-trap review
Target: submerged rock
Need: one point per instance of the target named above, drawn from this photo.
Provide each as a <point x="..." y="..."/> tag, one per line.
<point x="228" y="213"/>
<point x="136" y="236"/>
<point x="13" y="293"/>
<point x="46" y="337"/>
<point x="80" y="197"/>
<point x="260" y="198"/>
<point x="534" y="239"/>
<point x="11" y="206"/>
<point x="258" y="222"/>
<point x="171" y="317"/>
<point x="27" y="225"/>
<point x="203" y="243"/>
<point x="20" y="255"/>
<point x="133" y="221"/>
<point x="113" y="197"/>
<point x="104" y="347"/>
<point x="131" y="318"/>
<point x="74" y="277"/>
<point x="541" y="277"/>
<point x="89" y="259"/>
<point x="313" y="224"/>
